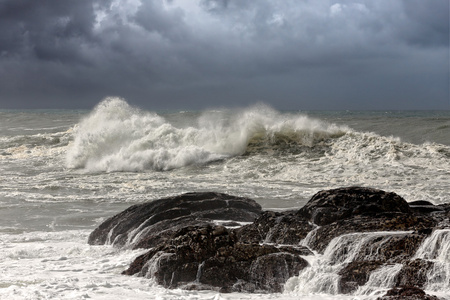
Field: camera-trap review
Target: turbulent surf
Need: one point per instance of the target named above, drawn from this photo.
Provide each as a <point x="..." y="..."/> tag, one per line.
<point x="62" y="172"/>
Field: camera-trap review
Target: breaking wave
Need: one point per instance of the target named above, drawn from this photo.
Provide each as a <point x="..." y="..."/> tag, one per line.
<point x="118" y="137"/>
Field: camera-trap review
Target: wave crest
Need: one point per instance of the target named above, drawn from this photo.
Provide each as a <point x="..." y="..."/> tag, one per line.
<point x="118" y="137"/>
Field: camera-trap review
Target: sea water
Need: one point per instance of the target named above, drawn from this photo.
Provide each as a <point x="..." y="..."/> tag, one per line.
<point x="63" y="172"/>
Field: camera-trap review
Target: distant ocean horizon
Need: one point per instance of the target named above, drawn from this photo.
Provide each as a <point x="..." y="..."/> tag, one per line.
<point x="63" y="172"/>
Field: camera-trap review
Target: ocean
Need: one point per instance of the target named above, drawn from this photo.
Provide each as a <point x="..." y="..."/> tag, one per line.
<point x="63" y="172"/>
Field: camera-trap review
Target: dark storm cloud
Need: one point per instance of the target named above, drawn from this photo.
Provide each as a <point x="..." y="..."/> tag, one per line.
<point x="292" y="54"/>
<point x="429" y="22"/>
<point x="47" y="30"/>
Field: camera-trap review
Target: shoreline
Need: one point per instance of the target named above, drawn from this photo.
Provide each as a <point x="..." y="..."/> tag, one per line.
<point x="360" y="220"/>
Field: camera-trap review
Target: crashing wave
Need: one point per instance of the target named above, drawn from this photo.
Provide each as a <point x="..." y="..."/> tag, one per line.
<point x="118" y="137"/>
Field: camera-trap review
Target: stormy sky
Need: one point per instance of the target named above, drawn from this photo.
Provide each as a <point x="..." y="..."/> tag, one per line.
<point x="193" y="54"/>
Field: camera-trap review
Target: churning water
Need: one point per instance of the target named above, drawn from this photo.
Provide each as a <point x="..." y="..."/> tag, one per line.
<point x="63" y="172"/>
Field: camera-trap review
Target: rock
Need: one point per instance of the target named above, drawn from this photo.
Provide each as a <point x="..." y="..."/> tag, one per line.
<point x="146" y="225"/>
<point x="358" y="229"/>
<point x="414" y="273"/>
<point x="407" y="293"/>
<point x="423" y="207"/>
<point x="270" y="272"/>
<point x="420" y="203"/>
<point x="211" y="257"/>
<point x="330" y="206"/>
<point x="356" y="274"/>
<point x="276" y="227"/>
<point x="379" y="250"/>
<point x="322" y="236"/>
<point x="443" y="216"/>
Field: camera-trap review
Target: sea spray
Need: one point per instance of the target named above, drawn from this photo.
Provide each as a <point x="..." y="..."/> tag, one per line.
<point x="254" y="144"/>
<point x="118" y="137"/>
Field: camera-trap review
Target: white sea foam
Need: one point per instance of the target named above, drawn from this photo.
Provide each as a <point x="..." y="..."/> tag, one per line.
<point x="322" y="276"/>
<point x="117" y="137"/>
<point x="380" y="280"/>
<point x="280" y="148"/>
<point x="437" y="249"/>
<point x="60" y="265"/>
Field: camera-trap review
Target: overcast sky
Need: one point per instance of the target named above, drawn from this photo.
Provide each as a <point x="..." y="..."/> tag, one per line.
<point x="193" y="54"/>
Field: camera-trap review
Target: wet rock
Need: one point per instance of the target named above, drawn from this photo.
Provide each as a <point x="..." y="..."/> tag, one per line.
<point x="414" y="273"/>
<point x="189" y="250"/>
<point x="148" y="224"/>
<point x="423" y="207"/>
<point x="407" y="293"/>
<point x="330" y="206"/>
<point x="356" y="274"/>
<point x="322" y="236"/>
<point x="211" y="257"/>
<point x="420" y="203"/>
<point x="370" y="251"/>
<point x="270" y="272"/>
<point x="276" y="227"/>
<point x="443" y="217"/>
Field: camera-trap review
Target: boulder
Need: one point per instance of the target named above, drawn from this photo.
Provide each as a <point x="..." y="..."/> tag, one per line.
<point x="330" y="206"/>
<point x="210" y="257"/>
<point x="423" y="207"/>
<point x="148" y="224"/>
<point x="407" y="293"/>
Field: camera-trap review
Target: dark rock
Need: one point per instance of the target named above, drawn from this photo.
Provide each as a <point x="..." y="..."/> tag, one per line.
<point x="270" y="272"/>
<point x="276" y="227"/>
<point x="380" y="250"/>
<point x="423" y="207"/>
<point x="420" y="203"/>
<point x="297" y="250"/>
<point x="146" y="225"/>
<point x="369" y="252"/>
<point x="414" y="273"/>
<point x="330" y="206"/>
<point x="356" y="274"/>
<point x="443" y="216"/>
<point x="397" y="222"/>
<point x="189" y="250"/>
<point x="211" y="257"/>
<point x="407" y="293"/>
<point x="391" y="248"/>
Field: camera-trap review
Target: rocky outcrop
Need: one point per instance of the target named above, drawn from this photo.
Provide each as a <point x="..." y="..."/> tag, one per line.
<point x="355" y="209"/>
<point x="189" y="249"/>
<point x="196" y="240"/>
<point x="322" y="236"/>
<point x="149" y="224"/>
<point x="330" y="206"/>
<point x="211" y="257"/>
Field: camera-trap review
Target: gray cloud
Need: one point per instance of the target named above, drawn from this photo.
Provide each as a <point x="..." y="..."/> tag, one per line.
<point x="191" y="54"/>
